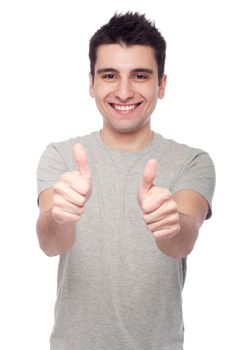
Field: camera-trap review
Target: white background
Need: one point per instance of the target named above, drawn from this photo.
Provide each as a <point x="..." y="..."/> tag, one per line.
<point x="44" y="97"/>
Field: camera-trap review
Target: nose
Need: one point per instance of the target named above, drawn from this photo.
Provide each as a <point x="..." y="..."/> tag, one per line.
<point x="124" y="90"/>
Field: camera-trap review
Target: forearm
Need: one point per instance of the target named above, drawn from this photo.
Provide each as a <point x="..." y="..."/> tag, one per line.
<point x="54" y="238"/>
<point x="183" y="242"/>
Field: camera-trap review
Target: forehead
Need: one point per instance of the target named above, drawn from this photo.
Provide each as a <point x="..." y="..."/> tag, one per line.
<point x="125" y="58"/>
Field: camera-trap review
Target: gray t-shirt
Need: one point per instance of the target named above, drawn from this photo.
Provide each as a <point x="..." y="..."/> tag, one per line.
<point x="116" y="290"/>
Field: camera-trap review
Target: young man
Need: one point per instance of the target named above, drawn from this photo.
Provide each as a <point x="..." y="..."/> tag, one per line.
<point x="123" y="205"/>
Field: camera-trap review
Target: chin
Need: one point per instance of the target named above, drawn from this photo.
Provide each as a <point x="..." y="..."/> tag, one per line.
<point x="127" y="130"/>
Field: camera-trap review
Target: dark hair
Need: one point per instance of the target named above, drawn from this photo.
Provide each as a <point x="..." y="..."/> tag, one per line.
<point x="129" y="29"/>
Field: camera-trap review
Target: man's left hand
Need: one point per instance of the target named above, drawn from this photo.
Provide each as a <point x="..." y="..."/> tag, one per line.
<point x="158" y="205"/>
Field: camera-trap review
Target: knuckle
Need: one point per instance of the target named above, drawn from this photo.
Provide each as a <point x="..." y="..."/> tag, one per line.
<point x="84" y="188"/>
<point x="174" y="206"/>
<point x="57" y="214"/>
<point x="66" y="176"/>
<point x="144" y="206"/>
<point x="146" y="218"/>
<point x="57" y="187"/>
<point x="173" y="219"/>
<point x="76" y="218"/>
<point x="167" y="194"/>
<point x="81" y="210"/>
<point x="82" y="201"/>
<point x="78" y="210"/>
<point x="152" y="227"/>
<point x="157" y="235"/>
<point x="174" y="230"/>
<point x="57" y="201"/>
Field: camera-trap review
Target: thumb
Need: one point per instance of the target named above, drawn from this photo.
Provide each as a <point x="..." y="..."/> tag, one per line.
<point x="149" y="175"/>
<point x="81" y="160"/>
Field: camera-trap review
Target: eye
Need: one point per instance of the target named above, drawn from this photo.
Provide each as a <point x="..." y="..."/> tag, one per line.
<point x="141" y="77"/>
<point x="109" y="76"/>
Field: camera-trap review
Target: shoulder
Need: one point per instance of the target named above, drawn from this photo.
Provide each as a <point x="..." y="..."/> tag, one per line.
<point x="58" y="156"/>
<point x="64" y="149"/>
<point x="170" y="145"/>
<point x="65" y="145"/>
<point x="169" y="151"/>
<point x="184" y="167"/>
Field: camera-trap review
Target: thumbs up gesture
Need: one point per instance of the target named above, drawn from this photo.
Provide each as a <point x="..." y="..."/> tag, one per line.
<point x="73" y="190"/>
<point x="158" y="205"/>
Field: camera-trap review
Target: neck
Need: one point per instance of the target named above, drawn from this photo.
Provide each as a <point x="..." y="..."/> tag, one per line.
<point x="133" y="141"/>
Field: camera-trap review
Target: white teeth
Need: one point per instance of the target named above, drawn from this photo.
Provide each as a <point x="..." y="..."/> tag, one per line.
<point x="123" y="108"/>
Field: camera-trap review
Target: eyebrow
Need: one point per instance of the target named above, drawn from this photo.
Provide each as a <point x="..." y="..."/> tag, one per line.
<point x="136" y="70"/>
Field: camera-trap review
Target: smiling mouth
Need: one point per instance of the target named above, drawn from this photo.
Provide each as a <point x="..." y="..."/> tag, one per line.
<point x="125" y="107"/>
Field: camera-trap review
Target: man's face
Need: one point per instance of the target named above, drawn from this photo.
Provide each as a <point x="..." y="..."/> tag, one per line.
<point x="126" y="86"/>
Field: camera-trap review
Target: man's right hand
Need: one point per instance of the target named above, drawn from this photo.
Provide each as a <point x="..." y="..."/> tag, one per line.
<point x="73" y="190"/>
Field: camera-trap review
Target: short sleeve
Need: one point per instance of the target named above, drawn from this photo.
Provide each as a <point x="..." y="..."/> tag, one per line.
<point x="198" y="174"/>
<point x="51" y="166"/>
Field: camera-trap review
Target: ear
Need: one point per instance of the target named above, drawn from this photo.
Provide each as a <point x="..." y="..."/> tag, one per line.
<point x="91" y="85"/>
<point x="162" y="86"/>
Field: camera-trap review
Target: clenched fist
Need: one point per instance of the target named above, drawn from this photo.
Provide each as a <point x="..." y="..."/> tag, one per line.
<point x="158" y="205"/>
<point x="73" y="190"/>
